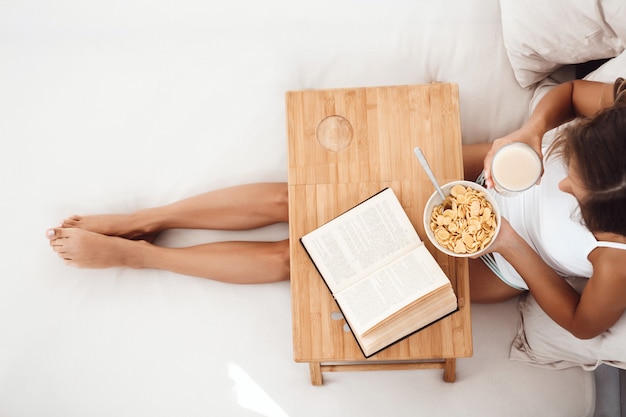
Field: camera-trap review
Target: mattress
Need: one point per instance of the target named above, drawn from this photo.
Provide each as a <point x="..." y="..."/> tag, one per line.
<point x="110" y="107"/>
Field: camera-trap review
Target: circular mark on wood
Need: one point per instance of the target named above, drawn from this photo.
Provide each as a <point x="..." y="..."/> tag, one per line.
<point x="334" y="133"/>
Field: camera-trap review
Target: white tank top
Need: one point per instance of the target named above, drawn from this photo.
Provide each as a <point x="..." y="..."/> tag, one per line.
<point x="614" y="245"/>
<point x="549" y="220"/>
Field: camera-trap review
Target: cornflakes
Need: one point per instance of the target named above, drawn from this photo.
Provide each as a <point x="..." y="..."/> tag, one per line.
<point x="464" y="222"/>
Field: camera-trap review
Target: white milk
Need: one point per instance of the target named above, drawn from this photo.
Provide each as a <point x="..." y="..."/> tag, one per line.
<point x="515" y="167"/>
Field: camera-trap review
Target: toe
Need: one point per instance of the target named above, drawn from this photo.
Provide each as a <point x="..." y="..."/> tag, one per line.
<point x="58" y="235"/>
<point x="62" y="232"/>
<point x="54" y="234"/>
<point x="71" y="221"/>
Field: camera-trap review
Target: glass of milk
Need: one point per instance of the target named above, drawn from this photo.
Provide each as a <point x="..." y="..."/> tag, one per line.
<point x="515" y="167"/>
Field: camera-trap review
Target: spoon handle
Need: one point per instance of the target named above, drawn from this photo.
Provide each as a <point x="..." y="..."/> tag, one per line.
<point x="429" y="172"/>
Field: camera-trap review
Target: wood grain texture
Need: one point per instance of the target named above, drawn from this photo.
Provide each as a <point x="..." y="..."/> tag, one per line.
<point x="329" y="175"/>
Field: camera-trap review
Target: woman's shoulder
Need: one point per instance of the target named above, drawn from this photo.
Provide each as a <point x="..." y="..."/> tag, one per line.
<point x="609" y="259"/>
<point x="607" y="284"/>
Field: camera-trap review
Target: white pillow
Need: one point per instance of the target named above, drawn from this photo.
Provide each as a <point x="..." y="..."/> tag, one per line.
<point x="542" y="342"/>
<point x="606" y="73"/>
<point x="610" y="70"/>
<point x="541" y="36"/>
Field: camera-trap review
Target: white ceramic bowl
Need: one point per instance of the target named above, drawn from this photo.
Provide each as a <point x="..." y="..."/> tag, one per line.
<point x="435" y="200"/>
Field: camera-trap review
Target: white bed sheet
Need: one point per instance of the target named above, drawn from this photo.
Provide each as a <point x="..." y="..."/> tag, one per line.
<point x="114" y="106"/>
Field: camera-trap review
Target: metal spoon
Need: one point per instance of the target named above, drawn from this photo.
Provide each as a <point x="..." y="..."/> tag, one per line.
<point x="429" y="172"/>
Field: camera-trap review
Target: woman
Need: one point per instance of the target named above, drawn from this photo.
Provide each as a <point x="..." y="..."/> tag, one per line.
<point x="544" y="236"/>
<point x="527" y="257"/>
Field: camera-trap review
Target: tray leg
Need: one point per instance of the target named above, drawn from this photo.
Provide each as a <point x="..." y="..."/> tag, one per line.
<point x="316" y="373"/>
<point x="449" y="370"/>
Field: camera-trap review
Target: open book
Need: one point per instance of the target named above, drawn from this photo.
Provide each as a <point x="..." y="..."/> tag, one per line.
<point x="385" y="281"/>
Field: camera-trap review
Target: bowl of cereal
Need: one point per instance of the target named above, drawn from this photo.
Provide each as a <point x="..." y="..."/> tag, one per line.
<point x="465" y="223"/>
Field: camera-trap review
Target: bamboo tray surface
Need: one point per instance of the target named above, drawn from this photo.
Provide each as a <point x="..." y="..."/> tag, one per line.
<point x="344" y="146"/>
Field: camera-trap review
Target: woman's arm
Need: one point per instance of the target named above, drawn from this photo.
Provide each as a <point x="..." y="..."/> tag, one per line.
<point x="561" y="104"/>
<point x="586" y="315"/>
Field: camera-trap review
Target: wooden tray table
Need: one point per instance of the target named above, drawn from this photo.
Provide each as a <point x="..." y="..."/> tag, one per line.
<point x="345" y="145"/>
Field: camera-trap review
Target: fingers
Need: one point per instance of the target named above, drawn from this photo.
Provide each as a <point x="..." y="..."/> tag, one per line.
<point x="517" y="136"/>
<point x="497" y="144"/>
<point x="487" y="164"/>
<point x="487" y="176"/>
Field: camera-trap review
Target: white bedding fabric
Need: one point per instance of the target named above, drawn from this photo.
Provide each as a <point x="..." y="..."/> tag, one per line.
<point x="114" y="106"/>
<point x="542" y="36"/>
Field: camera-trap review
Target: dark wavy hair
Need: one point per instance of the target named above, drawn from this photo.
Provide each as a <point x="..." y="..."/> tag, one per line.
<point x="597" y="146"/>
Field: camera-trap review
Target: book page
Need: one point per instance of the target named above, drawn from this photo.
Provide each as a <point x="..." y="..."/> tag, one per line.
<point x="386" y="291"/>
<point x="361" y="240"/>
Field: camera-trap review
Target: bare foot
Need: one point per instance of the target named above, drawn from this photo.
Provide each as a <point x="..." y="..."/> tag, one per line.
<point x="122" y="225"/>
<point x="85" y="249"/>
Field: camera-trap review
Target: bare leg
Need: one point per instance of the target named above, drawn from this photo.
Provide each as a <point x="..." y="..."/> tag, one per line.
<point x="473" y="158"/>
<point x="486" y="287"/>
<point x="236" y="208"/>
<point x="235" y="262"/>
<point x="99" y="241"/>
